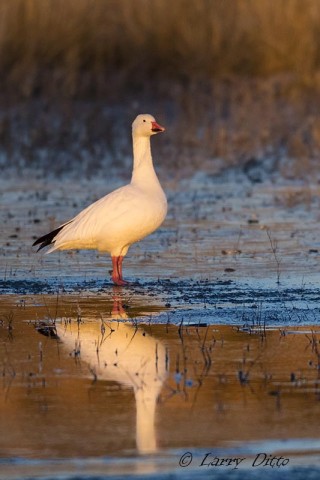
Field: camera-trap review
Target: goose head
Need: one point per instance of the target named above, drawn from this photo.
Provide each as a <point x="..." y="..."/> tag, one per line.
<point x="145" y="125"/>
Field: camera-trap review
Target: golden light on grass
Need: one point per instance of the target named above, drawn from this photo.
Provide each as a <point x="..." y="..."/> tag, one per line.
<point x="140" y="38"/>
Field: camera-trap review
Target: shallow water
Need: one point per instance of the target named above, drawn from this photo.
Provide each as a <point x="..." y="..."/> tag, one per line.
<point x="214" y="348"/>
<point x="217" y="229"/>
<point x="103" y="393"/>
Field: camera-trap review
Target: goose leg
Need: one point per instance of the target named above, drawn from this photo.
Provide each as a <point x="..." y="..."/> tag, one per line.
<point x="117" y="271"/>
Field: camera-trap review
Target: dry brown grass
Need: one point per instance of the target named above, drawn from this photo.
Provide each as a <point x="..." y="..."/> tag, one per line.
<point x="235" y="81"/>
<point x="75" y="46"/>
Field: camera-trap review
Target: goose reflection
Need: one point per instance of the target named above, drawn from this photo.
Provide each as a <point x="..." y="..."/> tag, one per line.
<point x="125" y="353"/>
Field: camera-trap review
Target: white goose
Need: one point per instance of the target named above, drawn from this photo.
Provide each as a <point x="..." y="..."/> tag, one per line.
<point x="125" y="215"/>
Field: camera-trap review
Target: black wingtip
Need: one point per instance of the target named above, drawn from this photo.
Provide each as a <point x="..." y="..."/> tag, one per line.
<point x="47" y="239"/>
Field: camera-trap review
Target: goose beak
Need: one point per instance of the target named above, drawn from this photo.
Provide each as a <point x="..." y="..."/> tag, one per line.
<point x="156" y="127"/>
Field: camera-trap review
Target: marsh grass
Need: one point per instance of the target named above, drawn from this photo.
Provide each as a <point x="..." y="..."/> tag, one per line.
<point x="274" y="249"/>
<point x="7" y="322"/>
<point x="73" y="46"/>
<point x="236" y="82"/>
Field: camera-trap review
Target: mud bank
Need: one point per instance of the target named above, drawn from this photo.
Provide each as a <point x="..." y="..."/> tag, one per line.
<point x="223" y="302"/>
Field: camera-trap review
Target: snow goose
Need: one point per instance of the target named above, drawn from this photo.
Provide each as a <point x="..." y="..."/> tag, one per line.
<point x="122" y="217"/>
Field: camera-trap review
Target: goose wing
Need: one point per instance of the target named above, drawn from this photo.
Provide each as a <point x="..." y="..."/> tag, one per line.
<point x="84" y="229"/>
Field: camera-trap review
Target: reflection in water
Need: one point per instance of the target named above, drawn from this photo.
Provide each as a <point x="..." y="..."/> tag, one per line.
<point x="118" y="312"/>
<point x="224" y="387"/>
<point x="126" y="354"/>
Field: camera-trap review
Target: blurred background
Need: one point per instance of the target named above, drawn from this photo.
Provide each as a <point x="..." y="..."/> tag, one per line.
<point x="236" y="82"/>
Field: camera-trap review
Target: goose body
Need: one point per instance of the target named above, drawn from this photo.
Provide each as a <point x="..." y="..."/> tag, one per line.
<point x="125" y="215"/>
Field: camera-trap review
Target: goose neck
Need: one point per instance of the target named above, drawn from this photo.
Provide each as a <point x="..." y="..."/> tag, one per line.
<point x="141" y="150"/>
<point x="142" y="159"/>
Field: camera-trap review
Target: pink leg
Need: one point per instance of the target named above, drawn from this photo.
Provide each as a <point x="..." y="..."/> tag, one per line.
<point x="117" y="271"/>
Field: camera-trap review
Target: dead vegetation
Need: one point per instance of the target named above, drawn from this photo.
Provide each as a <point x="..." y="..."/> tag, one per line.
<point x="74" y="46"/>
<point x="235" y="81"/>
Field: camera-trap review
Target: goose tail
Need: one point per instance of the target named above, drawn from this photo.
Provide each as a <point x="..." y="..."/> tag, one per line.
<point x="48" y="239"/>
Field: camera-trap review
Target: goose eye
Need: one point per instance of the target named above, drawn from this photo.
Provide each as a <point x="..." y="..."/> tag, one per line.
<point x="144" y="120"/>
